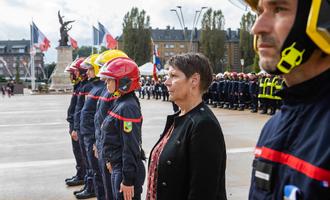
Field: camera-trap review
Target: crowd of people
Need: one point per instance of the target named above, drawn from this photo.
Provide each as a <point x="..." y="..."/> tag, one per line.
<point x="8" y="89"/>
<point x="228" y="90"/>
<point x="105" y="123"/>
<point x="238" y="91"/>
<point x="292" y="157"/>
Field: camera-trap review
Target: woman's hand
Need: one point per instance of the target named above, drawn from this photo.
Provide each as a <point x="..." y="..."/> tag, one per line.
<point x="128" y="191"/>
<point x="109" y="167"/>
<point x="74" y="135"/>
<point x="95" y="151"/>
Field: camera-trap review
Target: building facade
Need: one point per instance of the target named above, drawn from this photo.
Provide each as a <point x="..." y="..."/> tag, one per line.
<point x="232" y="55"/>
<point x="15" y="59"/>
<point x="172" y="41"/>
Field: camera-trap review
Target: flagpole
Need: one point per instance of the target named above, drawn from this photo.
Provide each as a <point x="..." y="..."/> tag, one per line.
<point x="92" y="40"/>
<point x="33" y="84"/>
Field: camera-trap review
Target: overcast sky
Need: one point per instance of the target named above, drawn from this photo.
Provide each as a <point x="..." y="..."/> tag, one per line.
<point x="16" y="15"/>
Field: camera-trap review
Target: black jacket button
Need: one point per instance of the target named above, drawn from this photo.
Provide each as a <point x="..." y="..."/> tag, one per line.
<point x="178" y="142"/>
<point x="164" y="184"/>
<point x="168" y="162"/>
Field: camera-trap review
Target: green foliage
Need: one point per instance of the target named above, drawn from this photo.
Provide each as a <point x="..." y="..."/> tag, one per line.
<point x="137" y="36"/>
<point x="213" y="38"/>
<point x="49" y="68"/>
<point x="2" y="79"/>
<point x="17" y="76"/>
<point x="85" y="51"/>
<point x="256" y="67"/>
<point x="246" y="38"/>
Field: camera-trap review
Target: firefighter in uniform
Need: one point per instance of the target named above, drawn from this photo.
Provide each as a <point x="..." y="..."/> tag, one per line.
<point x="104" y="103"/>
<point x="87" y="127"/>
<point x="78" y="179"/>
<point x="253" y="92"/>
<point x="121" y="130"/>
<point x="292" y="156"/>
<point x="88" y="190"/>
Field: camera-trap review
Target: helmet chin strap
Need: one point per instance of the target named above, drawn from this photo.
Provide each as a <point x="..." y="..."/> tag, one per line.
<point x="298" y="47"/>
<point x="116" y="94"/>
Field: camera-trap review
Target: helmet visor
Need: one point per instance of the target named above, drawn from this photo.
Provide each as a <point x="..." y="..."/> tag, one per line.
<point x="318" y="27"/>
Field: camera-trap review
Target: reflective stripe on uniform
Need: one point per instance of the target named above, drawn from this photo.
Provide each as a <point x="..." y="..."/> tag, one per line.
<point x="92" y="96"/>
<point x="295" y="163"/>
<point x="124" y="118"/>
<point x="83" y="93"/>
<point x="108" y="99"/>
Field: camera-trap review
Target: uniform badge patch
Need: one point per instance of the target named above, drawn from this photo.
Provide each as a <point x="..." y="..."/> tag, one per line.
<point x="127" y="127"/>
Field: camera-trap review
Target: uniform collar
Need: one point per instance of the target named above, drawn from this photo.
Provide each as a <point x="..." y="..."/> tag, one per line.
<point x="307" y="91"/>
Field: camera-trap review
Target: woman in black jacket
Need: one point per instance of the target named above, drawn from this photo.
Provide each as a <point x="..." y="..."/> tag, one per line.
<point x="189" y="160"/>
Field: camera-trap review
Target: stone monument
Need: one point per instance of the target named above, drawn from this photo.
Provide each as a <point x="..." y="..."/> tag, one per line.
<point x="60" y="80"/>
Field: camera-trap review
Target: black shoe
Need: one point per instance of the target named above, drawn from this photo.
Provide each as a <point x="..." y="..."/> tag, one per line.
<point x="79" y="191"/>
<point x="85" y="194"/>
<point x="263" y="112"/>
<point x="67" y="179"/>
<point x="241" y="109"/>
<point x="75" y="181"/>
<point x="254" y="111"/>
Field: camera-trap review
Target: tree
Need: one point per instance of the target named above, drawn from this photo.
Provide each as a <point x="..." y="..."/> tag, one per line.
<point x="49" y="68"/>
<point x="137" y="36"/>
<point x="85" y="51"/>
<point x="246" y="38"/>
<point x="213" y="38"/>
<point x="17" y="75"/>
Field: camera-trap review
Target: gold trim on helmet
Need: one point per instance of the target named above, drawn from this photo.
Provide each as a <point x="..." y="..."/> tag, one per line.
<point x="319" y="35"/>
<point x="252" y="3"/>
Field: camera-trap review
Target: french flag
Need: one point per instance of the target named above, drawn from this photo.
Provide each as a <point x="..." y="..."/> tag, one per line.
<point x="95" y="36"/>
<point x="39" y="40"/>
<point x="156" y="61"/>
<point x="106" y="38"/>
<point x="73" y="42"/>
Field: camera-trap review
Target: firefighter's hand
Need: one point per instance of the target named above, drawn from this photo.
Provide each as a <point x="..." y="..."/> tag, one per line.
<point x="74" y="135"/>
<point x="95" y="151"/>
<point x="128" y="191"/>
<point x="109" y="167"/>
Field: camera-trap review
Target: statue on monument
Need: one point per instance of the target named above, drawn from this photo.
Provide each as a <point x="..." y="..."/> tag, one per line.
<point x="64" y="30"/>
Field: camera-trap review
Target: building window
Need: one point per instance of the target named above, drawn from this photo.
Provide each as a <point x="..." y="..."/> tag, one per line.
<point x="168" y="46"/>
<point x="1" y="71"/>
<point x="171" y="53"/>
<point x="1" y="65"/>
<point x="166" y="54"/>
<point x="181" y="46"/>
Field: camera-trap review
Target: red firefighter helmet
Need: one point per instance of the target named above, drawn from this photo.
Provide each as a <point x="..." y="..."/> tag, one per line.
<point x="126" y="73"/>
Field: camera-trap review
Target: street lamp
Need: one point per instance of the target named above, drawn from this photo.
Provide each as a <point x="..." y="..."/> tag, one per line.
<point x="182" y="25"/>
<point x="195" y="22"/>
<point x="242" y="64"/>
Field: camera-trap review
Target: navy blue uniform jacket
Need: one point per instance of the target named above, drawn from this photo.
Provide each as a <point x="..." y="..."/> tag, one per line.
<point x="292" y="156"/>
<point x="121" y="132"/>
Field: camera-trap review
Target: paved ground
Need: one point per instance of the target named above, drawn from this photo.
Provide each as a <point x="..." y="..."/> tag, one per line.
<point x="36" y="155"/>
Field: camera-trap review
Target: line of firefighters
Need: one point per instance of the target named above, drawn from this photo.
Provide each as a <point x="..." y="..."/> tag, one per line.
<point x="237" y="91"/>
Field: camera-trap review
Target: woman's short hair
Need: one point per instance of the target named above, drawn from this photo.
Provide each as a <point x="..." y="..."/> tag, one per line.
<point x="191" y="63"/>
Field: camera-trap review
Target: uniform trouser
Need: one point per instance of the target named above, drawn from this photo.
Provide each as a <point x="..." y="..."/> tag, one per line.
<point x="254" y="102"/>
<point x="165" y="96"/>
<point x="106" y="176"/>
<point x="116" y="179"/>
<point x="77" y="155"/>
<point x="272" y="104"/>
<point x="88" y="180"/>
<point x="89" y="140"/>
<point x="241" y="101"/>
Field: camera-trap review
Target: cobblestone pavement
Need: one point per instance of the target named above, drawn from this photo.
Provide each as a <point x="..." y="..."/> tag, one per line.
<point x="36" y="153"/>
